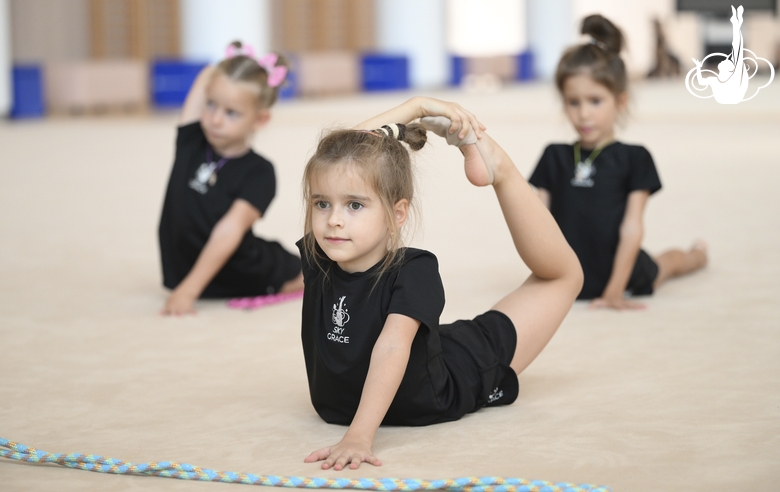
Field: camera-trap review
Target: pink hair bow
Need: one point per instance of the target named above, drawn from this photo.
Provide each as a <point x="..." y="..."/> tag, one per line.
<point x="276" y="74"/>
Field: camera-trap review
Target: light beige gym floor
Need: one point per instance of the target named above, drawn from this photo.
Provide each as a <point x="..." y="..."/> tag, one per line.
<point x="682" y="396"/>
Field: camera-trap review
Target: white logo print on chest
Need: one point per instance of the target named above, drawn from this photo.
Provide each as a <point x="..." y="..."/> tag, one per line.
<point x="583" y="174"/>
<point x="340" y="318"/>
<point x="203" y="175"/>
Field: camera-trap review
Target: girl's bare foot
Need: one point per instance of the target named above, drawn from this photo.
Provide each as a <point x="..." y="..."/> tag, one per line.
<point x="476" y="170"/>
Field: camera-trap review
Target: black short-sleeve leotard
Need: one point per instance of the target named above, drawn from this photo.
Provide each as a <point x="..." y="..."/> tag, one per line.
<point x="195" y="201"/>
<point x="453" y="369"/>
<point x="589" y="207"/>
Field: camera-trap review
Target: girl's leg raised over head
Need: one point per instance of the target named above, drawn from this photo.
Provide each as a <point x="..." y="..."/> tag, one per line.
<point x="538" y="306"/>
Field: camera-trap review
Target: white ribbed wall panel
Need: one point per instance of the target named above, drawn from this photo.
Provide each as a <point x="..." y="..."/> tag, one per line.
<point x="486" y="27"/>
<point x="551" y="29"/>
<point x="416" y="29"/>
<point x="5" y="58"/>
<point x="208" y="26"/>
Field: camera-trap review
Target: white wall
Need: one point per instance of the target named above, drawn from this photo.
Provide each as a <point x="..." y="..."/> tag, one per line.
<point x="551" y="29"/>
<point x="415" y="28"/>
<point x="5" y="58"/>
<point x="208" y="26"/>
<point x="486" y="27"/>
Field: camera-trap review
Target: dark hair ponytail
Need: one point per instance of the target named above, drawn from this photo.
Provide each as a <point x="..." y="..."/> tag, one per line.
<point x="416" y="136"/>
<point x="413" y="134"/>
<point x="606" y="34"/>
<point x="599" y="58"/>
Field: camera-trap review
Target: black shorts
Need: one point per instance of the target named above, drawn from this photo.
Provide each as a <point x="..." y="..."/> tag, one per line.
<point x="478" y="353"/>
<point x="264" y="269"/>
<point x="643" y="276"/>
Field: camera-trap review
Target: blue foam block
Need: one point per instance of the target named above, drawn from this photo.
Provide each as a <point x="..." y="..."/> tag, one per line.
<point x="27" y="92"/>
<point x="385" y="72"/>
<point x="525" y="66"/>
<point x="171" y="80"/>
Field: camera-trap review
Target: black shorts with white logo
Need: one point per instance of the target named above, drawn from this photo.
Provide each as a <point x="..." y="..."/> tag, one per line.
<point x="478" y="353"/>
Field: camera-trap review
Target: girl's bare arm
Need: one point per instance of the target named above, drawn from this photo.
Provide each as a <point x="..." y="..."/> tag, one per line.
<point x="386" y="370"/>
<point x="196" y="98"/>
<point x="222" y="243"/>
<point x="420" y="106"/>
<point x="631" y="233"/>
<point x="544" y="196"/>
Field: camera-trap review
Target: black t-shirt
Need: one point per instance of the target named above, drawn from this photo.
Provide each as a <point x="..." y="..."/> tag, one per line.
<point x="589" y="205"/>
<point x="195" y="201"/>
<point x="343" y="316"/>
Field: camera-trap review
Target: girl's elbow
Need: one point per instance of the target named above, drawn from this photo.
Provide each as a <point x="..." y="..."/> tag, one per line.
<point x="228" y="230"/>
<point x="631" y="231"/>
<point x="570" y="273"/>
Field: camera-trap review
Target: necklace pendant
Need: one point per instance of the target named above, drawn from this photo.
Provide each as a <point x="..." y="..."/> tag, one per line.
<point x="583" y="174"/>
<point x="213" y="179"/>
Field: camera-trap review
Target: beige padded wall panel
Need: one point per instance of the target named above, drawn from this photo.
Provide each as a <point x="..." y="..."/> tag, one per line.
<point x="292" y="25"/>
<point x="361" y="25"/>
<point x="97" y="85"/>
<point x="143" y="29"/>
<point x="323" y="25"/>
<point x="327" y="72"/>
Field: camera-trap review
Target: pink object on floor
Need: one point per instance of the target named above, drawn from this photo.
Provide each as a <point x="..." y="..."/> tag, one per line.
<point x="261" y="301"/>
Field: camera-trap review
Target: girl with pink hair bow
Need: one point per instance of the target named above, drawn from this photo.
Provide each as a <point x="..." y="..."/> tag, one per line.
<point x="219" y="187"/>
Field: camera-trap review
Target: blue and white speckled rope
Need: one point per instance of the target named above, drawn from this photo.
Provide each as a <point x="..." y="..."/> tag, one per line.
<point x="169" y="469"/>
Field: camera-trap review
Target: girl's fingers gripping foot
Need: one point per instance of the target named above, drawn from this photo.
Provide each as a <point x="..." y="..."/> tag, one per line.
<point x="440" y="125"/>
<point x="467" y="125"/>
<point x="461" y="122"/>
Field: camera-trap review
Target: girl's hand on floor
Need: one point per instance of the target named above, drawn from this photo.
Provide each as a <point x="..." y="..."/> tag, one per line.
<point x="178" y="304"/>
<point x="618" y="303"/>
<point x="346" y="452"/>
<point x="462" y="120"/>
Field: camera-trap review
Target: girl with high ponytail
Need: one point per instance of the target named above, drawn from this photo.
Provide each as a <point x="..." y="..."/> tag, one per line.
<point x="374" y="349"/>
<point x="597" y="188"/>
